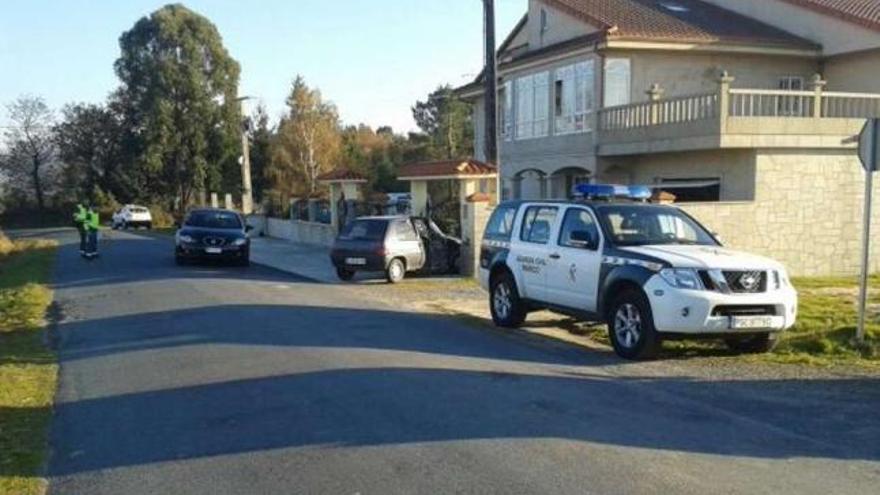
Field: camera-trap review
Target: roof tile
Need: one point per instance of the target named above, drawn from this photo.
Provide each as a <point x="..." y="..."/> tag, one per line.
<point x="340" y="175"/>
<point x="863" y="12"/>
<point x="676" y="20"/>
<point x="445" y="168"/>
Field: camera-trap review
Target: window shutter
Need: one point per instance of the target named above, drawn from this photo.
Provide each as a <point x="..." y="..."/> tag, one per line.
<point x="524" y="104"/>
<point x="617" y="82"/>
<point x="542" y="103"/>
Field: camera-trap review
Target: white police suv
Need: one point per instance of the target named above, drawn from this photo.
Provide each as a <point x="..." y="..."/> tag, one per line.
<point x="650" y="271"/>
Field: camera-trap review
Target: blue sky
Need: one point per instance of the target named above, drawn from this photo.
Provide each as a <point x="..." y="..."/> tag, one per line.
<point x="373" y="58"/>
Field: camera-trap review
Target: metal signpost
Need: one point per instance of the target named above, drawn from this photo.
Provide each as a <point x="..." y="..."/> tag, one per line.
<point x="869" y="153"/>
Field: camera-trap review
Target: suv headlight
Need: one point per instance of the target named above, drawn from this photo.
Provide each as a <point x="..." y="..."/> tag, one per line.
<point x="241" y="241"/>
<point x="682" y="278"/>
<point x="186" y="239"/>
<point x="780" y="279"/>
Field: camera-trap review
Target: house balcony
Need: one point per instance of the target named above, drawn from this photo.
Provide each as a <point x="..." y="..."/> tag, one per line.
<point x="735" y="118"/>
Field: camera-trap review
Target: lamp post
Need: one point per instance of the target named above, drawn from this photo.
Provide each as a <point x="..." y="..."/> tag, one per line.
<point x="247" y="196"/>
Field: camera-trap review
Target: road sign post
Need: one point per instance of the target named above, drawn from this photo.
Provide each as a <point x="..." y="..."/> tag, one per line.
<point x="869" y="153"/>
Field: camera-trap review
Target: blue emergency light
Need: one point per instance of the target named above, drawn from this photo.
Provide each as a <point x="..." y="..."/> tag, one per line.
<point x="609" y="191"/>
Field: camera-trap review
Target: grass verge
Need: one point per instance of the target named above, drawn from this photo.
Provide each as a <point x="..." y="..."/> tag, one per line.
<point x="28" y="369"/>
<point x="822" y="335"/>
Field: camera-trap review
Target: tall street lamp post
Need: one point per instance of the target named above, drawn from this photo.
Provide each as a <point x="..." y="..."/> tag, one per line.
<point x="247" y="196"/>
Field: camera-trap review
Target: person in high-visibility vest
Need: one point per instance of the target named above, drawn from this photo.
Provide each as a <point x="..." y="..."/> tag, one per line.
<point x="79" y="220"/>
<point x="92" y="225"/>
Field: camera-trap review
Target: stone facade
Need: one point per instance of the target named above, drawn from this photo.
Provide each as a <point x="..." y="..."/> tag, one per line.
<point x="807" y="212"/>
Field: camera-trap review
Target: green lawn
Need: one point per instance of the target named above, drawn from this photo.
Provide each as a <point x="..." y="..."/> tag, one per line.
<point x="28" y="369"/>
<point x="826" y="323"/>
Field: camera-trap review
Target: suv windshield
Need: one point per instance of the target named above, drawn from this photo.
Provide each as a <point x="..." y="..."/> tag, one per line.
<point x="364" y="230"/>
<point x="213" y="220"/>
<point x="639" y="225"/>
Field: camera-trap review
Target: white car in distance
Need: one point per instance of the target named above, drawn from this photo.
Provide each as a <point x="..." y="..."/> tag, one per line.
<point x="132" y="216"/>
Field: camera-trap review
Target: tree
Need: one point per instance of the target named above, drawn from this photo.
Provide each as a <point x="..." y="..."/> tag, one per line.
<point x="307" y="143"/>
<point x="178" y="94"/>
<point x="260" y="134"/>
<point x="446" y="119"/>
<point x="90" y="145"/>
<point x="29" y="163"/>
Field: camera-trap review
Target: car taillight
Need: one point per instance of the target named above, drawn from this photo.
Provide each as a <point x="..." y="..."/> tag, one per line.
<point x="380" y="251"/>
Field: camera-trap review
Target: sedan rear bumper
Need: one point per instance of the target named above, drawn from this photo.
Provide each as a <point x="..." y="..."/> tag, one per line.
<point x="359" y="262"/>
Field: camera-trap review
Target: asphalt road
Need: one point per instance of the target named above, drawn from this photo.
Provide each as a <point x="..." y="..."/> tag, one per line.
<point x="215" y="380"/>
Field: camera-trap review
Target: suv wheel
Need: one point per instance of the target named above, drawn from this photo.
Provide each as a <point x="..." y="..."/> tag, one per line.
<point x="395" y="271"/>
<point x="631" y="326"/>
<point x="344" y="273"/>
<point x="508" y="310"/>
<point x="763" y="342"/>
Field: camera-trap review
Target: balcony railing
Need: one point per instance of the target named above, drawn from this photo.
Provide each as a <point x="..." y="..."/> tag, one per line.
<point x="740" y="103"/>
<point x="733" y="117"/>
<point x="660" y="112"/>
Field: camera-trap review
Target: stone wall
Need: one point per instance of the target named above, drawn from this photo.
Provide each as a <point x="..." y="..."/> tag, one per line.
<point x="475" y="216"/>
<point x="317" y="234"/>
<point x="807" y="213"/>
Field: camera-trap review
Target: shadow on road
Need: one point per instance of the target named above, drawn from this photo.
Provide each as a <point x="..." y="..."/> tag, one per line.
<point x="126" y="258"/>
<point x="380" y="406"/>
<point x="387" y="405"/>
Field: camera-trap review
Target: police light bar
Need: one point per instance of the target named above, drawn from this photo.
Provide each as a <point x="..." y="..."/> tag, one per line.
<point x="611" y="191"/>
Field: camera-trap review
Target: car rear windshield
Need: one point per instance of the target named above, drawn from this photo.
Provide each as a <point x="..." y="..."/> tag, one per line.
<point x="364" y="230"/>
<point x="639" y="225"/>
<point x="214" y="220"/>
<point x="139" y="210"/>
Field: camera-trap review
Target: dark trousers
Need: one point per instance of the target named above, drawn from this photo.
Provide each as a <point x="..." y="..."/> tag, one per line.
<point x="92" y="245"/>
<point x="82" y="236"/>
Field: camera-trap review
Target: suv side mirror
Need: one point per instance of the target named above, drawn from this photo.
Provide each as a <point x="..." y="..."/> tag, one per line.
<point x="584" y="239"/>
<point x="248" y="228"/>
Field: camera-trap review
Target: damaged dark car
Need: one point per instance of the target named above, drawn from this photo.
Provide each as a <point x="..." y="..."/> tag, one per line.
<point x="395" y="246"/>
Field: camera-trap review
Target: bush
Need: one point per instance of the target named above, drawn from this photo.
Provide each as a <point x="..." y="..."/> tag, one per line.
<point x="162" y="218"/>
<point x="6" y="246"/>
<point x="23" y="308"/>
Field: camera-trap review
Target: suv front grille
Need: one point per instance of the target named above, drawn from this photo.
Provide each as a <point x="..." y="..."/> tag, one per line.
<point x="213" y="241"/>
<point x="735" y="281"/>
<point x="748" y="282"/>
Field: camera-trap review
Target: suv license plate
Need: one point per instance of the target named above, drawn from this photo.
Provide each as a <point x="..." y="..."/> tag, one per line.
<point x="748" y="322"/>
<point x="356" y="261"/>
<point x="213" y="250"/>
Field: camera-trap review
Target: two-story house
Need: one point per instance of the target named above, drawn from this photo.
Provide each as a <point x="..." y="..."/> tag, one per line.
<point x="741" y="109"/>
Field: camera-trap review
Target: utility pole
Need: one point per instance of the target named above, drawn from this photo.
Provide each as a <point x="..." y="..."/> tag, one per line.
<point x="247" y="195"/>
<point x="490" y="92"/>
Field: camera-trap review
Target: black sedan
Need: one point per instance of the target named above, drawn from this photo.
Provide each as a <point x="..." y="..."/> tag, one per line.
<point x="213" y="234"/>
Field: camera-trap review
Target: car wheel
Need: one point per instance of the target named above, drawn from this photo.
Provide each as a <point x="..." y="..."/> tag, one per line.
<point x="124" y="225"/>
<point x="344" y="274"/>
<point x="395" y="271"/>
<point x="508" y="310"/>
<point x="149" y="226"/>
<point x="753" y="344"/>
<point x="631" y="326"/>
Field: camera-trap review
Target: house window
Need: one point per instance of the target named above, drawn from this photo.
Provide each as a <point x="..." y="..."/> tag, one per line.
<point x="573" y="97"/>
<point x="544" y="25"/>
<point x="532" y="105"/>
<point x="791" y="106"/>
<point x="505" y="111"/>
<point x="617" y="82"/>
<point x="692" y="190"/>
